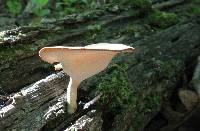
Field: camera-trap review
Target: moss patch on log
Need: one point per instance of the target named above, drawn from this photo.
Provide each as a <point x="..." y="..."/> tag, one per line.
<point x="115" y="89"/>
<point x="162" y="19"/>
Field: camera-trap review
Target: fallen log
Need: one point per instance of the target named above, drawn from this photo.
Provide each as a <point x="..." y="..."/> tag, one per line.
<point x="159" y="65"/>
<point x="154" y="71"/>
<point x="19" y="47"/>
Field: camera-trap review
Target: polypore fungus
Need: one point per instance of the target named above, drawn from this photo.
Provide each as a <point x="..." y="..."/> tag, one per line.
<point x="80" y="63"/>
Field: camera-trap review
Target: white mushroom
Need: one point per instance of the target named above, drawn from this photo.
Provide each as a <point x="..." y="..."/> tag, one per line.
<point x="80" y="63"/>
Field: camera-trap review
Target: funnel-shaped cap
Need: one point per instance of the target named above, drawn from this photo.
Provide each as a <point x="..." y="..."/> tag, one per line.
<point x="83" y="62"/>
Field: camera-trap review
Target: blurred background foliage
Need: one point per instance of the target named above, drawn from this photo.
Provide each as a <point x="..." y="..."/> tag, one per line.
<point x="62" y="7"/>
<point x="45" y="7"/>
<point x="37" y="10"/>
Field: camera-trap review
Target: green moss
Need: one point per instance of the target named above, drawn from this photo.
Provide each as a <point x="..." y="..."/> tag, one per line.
<point x="140" y="7"/>
<point x="94" y="28"/>
<point x="128" y="30"/>
<point x="94" y="33"/>
<point x="90" y="37"/>
<point x="11" y="52"/>
<point x="116" y="89"/>
<point x="162" y="19"/>
<point x="139" y="4"/>
<point x="195" y="1"/>
<point x="18" y="50"/>
<point x="138" y="110"/>
<point x="151" y="102"/>
<point x="192" y="10"/>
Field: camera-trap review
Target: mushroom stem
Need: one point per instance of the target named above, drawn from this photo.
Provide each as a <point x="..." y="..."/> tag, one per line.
<point x="72" y="95"/>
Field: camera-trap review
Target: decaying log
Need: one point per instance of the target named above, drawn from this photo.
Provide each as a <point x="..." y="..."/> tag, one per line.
<point x="20" y="59"/>
<point x="154" y="70"/>
<point x="159" y="64"/>
<point x="36" y="105"/>
<point x="25" y="63"/>
<point x="89" y="122"/>
<point x="31" y="106"/>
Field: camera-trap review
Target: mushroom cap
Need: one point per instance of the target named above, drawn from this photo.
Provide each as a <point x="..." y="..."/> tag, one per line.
<point x="83" y="62"/>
